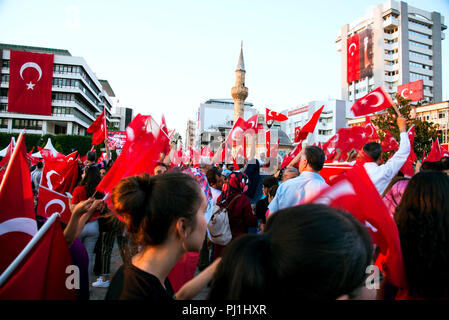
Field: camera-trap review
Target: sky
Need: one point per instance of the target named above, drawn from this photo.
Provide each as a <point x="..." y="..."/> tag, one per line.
<point x="168" y="57"/>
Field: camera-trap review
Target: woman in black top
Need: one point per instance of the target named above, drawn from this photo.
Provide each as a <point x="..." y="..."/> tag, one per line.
<point x="166" y="215"/>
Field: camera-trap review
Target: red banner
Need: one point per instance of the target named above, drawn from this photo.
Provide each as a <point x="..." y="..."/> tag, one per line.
<point x="412" y="91"/>
<point x="30" y="83"/>
<point x="353" y="58"/>
<point x="376" y="100"/>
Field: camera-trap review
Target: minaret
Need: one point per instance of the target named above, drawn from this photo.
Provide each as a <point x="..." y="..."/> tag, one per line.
<point x="239" y="92"/>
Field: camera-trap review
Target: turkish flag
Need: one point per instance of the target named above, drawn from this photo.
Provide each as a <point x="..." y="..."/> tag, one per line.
<point x="407" y="168"/>
<point x="411" y="91"/>
<point x="30" y="82"/>
<point x="274" y="149"/>
<point x="271" y="115"/>
<point x="297" y="131"/>
<point x="237" y="132"/>
<point x="98" y="129"/>
<point x="50" y="202"/>
<point x="353" y="58"/>
<point x="42" y="274"/>
<point x="355" y="193"/>
<point x="60" y="175"/>
<point x="331" y="170"/>
<point x="165" y="135"/>
<point x="309" y="127"/>
<point x="17" y="218"/>
<point x="371" y="131"/>
<point x="141" y="152"/>
<point x="292" y="155"/>
<point x="268" y="142"/>
<point x="251" y="123"/>
<point x="437" y="152"/>
<point x="389" y="143"/>
<point x="376" y="100"/>
<point x="49" y="155"/>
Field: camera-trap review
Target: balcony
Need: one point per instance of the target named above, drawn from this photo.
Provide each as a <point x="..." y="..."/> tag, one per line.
<point x="391" y="22"/>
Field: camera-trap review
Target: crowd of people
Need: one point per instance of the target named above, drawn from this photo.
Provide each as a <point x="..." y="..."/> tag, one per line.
<point x="281" y="246"/>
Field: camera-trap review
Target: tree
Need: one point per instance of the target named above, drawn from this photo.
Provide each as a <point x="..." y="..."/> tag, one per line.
<point x="425" y="131"/>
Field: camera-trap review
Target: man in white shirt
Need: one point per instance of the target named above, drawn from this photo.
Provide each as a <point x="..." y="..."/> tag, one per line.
<point x="381" y="174"/>
<point x="304" y="187"/>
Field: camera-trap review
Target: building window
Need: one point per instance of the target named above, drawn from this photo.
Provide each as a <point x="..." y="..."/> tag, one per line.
<point x="419" y="55"/>
<point x="419" y="34"/>
<point x="418" y="76"/>
<point x="4" y="123"/>
<point x="419" y="24"/>
<point x="27" y="124"/>
<point x="421" y="45"/>
<point x="5" y="78"/>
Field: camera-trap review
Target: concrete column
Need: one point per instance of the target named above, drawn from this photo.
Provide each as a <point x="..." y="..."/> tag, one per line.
<point x="437" y="59"/>
<point x="10" y="125"/>
<point x="404" y="59"/>
<point x="44" y="127"/>
<point x="69" y="128"/>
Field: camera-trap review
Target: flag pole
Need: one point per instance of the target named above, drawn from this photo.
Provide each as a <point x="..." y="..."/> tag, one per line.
<point x="7" y="273"/>
<point x="13" y="156"/>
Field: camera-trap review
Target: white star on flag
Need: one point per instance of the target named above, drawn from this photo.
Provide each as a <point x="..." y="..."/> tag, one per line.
<point x="30" y="86"/>
<point x="364" y="101"/>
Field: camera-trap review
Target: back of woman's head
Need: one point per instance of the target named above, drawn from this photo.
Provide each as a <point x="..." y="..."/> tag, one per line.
<point x="91" y="179"/>
<point x="432" y="166"/>
<point x="309" y="252"/>
<point x="149" y="205"/>
<point x="423" y="223"/>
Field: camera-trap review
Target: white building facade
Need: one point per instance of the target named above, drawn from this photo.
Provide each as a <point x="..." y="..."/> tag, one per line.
<point x="77" y="96"/>
<point x="406" y="47"/>
<point x="332" y="118"/>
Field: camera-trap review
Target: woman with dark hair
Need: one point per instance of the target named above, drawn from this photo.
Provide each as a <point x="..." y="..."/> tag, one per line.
<point x="307" y="252"/>
<point x="165" y="213"/>
<point x="422" y="218"/>
<point x="240" y="212"/>
<point x="90" y="178"/>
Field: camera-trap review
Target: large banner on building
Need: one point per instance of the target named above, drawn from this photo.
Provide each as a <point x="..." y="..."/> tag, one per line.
<point x="360" y="55"/>
<point x="412" y="91"/>
<point x="116" y="139"/>
<point x="30" y="82"/>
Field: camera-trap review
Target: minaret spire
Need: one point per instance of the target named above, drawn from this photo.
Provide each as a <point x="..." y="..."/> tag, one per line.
<point x="241" y="64"/>
<point x="239" y="91"/>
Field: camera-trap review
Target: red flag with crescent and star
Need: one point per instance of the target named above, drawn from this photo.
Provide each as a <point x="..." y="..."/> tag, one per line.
<point x="30" y="82"/>
<point x="353" y="58"/>
<point x="272" y="115"/>
<point x="375" y="101"/>
<point x="50" y="201"/>
<point x="389" y="143"/>
<point x="411" y="91"/>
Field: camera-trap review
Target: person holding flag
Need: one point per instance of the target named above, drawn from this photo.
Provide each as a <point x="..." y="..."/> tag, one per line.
<point x="370" y="156"/>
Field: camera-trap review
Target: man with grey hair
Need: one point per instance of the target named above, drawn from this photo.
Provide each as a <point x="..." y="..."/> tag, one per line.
<point x="308" y="184"/>
<point x="289" y="173"/>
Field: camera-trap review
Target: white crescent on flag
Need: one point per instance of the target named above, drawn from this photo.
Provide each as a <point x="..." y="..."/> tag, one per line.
<point x="352" y="51"/>
<point x="55" y="201"/>
<point x="31" y="65"/>
<point x="380" y="99"/>
<point x="25" y="225"/>
<point x="49" y="174"/>
<point x="403" y="94"/>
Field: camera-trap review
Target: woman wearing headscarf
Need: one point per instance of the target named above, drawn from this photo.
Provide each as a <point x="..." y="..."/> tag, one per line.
<point x="239" y="209"/>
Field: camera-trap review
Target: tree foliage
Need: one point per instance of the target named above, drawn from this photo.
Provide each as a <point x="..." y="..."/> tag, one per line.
<point x="425" y="131"/>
